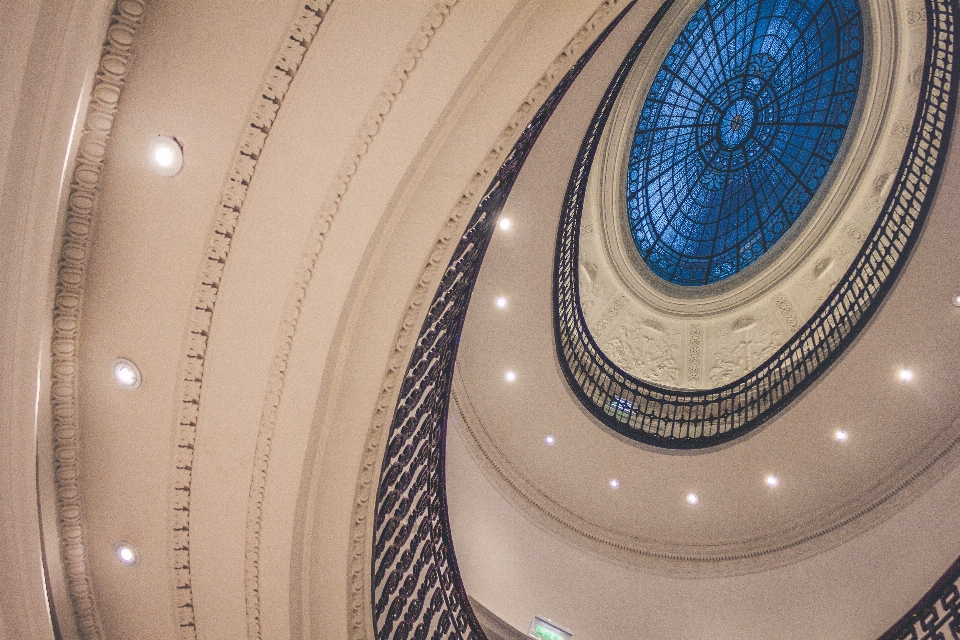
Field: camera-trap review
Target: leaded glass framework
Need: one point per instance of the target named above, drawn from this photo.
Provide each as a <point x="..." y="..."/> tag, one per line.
<point x="739" y="130"/>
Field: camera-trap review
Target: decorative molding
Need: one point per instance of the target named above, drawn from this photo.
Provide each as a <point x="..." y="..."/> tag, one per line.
<point x="80" y="217"/>
<point x="252" y="140"/>
<point x="787" y="312"/>
<point x="647" y="349"/>
<point x="288" y="326"/>
<point x="360" y="613"/>
<point x="695" y="351"/>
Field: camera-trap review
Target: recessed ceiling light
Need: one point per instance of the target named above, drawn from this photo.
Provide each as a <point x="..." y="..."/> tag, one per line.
<point x="166" y="156"/>
<point x="505" y="223"/>
<point x="693" y="498"/>
<point x="550" y="440"/>
<point x="126" y="374"/>
<point x="510" y="376"/>
<point x="956" y="300"/>
<point x="906" y="374"/>
<point x="614" y="483"/>
<point x="841" y="435"/>
<point x="502" y="302"/>
<point x="772" y="481"/>
<point x="127" y="554"/>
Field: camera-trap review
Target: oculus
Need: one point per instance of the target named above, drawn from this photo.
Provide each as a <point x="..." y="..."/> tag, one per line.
<point x="738" y="131"/>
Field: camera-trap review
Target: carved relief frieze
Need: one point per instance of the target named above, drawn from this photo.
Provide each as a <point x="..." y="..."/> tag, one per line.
<point x="746" y="344"/>
<point x="647" y="349"/>
<point x="787" y="312"/>
<point x="610" y="314"/>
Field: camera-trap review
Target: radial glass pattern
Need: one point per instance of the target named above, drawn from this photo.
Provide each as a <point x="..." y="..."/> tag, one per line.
<point x="740" y="127"/>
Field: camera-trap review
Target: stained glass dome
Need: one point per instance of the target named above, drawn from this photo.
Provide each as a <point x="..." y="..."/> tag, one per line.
<point x="738" y="132"/>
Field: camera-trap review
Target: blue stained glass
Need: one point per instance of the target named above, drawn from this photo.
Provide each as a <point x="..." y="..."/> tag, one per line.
<point x="739" y="130"/>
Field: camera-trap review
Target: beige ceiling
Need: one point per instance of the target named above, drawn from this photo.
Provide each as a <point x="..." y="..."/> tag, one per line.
<point x="267" y="291"/>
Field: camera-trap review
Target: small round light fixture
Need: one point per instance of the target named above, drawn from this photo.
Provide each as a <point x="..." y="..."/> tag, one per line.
<point x="501" y="303"/>
<point x="126" y="374"/>
<point x="841" y="435"/>
<point x="550" y="440"/>
<point x="772" y="481"/>
<point x="127" y="554"/>
<point x="906" y="375"/>
<point x="693" y="498"/>
<point x="510" y="376"/>
<point x="956" y="300"/>
<point x="614" y="483"/>
<point x="166" y="156"/>
<point x="505" y="223"/>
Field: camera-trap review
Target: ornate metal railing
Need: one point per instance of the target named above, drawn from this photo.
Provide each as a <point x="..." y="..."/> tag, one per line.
<point x="417" y="590"/>
<point x="682" y="419"/>
<point x="936" y="616"/>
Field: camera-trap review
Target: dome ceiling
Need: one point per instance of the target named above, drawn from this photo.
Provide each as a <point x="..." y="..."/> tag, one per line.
<point x="738" y="132"/>
<point x="551" y="457"/>
<point x="271" y="292"/>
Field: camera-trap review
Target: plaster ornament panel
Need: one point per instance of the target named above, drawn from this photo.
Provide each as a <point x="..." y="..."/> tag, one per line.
<point x="694" y="353"/>
<point x="742" y="347"/>
<point x="645" y="347"/>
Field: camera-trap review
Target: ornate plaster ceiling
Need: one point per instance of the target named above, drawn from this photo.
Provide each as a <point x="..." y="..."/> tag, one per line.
<point x="268" y="293"/>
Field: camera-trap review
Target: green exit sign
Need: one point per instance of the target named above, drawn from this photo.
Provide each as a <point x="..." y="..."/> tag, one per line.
<point x="546" y="630"/>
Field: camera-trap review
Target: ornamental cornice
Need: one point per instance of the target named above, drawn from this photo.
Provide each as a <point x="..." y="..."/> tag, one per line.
<point x="72" y="264"/>
<point x="313" y="247"/>
<point x="271" y="94"/>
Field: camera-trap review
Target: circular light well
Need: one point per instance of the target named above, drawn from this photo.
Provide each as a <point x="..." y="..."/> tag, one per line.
<point x="510" y="376"/>
<point x="693" y="498"/>
<point x="166" y="156"/>
<point x="127" y="554"/>
<point x="501" y="302"/>
<point x="126" y="374"/>
<point x="505" y="223"/>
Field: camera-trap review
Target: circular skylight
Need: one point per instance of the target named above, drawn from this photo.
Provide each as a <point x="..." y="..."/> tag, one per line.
<point x="738" y="132"/>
